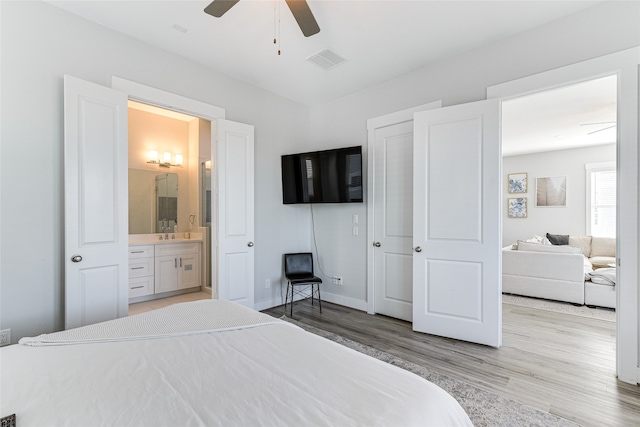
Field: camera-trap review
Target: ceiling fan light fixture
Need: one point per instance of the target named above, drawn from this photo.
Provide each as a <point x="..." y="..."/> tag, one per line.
<point x="327" y="59"/>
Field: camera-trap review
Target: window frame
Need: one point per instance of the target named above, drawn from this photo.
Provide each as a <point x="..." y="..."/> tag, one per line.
<point x="590" y="168"/>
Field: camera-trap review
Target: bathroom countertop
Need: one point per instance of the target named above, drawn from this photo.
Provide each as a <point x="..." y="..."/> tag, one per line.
<point x="154" y="239"/>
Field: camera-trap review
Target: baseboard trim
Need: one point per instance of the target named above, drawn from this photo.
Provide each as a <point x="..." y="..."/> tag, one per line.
<point x="332" y="298"/>
<point x="346" y="301"/>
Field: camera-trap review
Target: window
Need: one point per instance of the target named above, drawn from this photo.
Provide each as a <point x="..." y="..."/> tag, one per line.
<point x="601" y="199"/>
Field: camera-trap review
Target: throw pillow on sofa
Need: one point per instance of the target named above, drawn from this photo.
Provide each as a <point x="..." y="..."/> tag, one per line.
<point x="603" y="251"/>
<point x="558" y="239"/>
<point x="584" y="242"/>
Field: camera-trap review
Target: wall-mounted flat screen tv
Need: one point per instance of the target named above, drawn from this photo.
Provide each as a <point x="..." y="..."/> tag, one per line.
<point x="328" y="176"/>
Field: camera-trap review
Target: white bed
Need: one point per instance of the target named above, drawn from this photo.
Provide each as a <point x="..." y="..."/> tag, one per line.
<point x="209" y="363"/>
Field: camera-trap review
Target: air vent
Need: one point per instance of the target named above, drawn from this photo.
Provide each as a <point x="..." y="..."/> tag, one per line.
<point x="326" y="59"/>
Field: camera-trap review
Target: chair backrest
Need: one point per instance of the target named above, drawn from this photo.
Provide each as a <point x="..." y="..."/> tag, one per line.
<point x="297" y="265"/>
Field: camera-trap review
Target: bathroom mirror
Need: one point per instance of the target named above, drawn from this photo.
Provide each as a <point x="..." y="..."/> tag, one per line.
<point x="153" y="201"/>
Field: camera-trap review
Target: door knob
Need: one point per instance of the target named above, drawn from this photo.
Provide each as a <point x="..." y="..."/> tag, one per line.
<point x="376" y="244"/>
<point x="250" y="244"/>
<point x="76" y="258"/>
<point x="418" y="249"/>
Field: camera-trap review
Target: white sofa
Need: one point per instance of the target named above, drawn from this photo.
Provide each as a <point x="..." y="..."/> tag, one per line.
<point x="560" y="272"/>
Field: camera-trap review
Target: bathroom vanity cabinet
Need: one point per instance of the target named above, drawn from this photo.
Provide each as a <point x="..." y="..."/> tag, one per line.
<point x="163" y="267"/>
<point x="177" y="266"/>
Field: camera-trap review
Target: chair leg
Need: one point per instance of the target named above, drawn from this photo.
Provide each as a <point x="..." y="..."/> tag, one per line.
<point x="291" y="304"/>
<point x="286" y="298"/>
<point x="319" y="300"/>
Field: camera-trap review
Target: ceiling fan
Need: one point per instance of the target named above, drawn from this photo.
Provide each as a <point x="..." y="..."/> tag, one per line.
<point x="299" y="9"/>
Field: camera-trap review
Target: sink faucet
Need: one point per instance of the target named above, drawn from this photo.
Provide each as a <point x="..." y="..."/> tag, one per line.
<point x="166" y="236"/>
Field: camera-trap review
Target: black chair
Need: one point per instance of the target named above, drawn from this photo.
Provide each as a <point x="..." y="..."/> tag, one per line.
<point x="298" y="269"/>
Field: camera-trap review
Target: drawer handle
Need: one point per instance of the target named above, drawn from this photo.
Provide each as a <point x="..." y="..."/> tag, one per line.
<point x="137" y="252"/>
<point x="137" y="268"/>
<point x="137" y="287"/>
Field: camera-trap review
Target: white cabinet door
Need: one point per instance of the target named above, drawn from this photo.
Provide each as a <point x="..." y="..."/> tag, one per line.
<point x="96" y="203"/>
<point x="235" y="173"/>
<point x="166" y="273"/>
<point x="189" y="270"/>
<point x="457" y="263"/>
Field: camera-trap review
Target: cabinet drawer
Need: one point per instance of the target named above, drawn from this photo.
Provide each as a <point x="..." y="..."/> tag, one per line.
<point x="141" y="286"/>
<point x="139" y="267"/>
<point x="177" y="248"/>
<point x="141" y="251"/>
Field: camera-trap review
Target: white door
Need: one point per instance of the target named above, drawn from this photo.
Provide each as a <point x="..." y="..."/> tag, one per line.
<point x="457" y="264"/>
<point x="96" y="203"/>
<point x="393" y="224"/>
<point x="235" y="173"/>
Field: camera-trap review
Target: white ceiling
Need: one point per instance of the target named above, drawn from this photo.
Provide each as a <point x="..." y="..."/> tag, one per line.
<point x="579" y="115"/>
<point x="380" y="40"/>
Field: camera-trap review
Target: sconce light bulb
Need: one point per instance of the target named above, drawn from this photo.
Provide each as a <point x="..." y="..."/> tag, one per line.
<point x="153" y="156"/>
<point x="178" y="159"/>
<point x="167" y="157"/>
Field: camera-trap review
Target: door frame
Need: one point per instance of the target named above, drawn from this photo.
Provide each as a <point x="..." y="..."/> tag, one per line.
<point x="625" y="66"/>
<point x="374" y="124"/>
<point x="171" y="101"/>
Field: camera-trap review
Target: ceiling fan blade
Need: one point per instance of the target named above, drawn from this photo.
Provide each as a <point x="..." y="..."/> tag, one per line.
<point x="600" y="130"/>
<point x="304" y="17"/>
<point x="218" y="8"/>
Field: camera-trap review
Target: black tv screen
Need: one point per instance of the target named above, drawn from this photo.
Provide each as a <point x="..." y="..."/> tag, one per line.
<point x="329" y="176"/>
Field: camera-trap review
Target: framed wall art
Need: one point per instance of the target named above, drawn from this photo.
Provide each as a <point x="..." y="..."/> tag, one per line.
<point x="551" y="191"/>
<point x="517" y="207"/>
<point x="517" y="182"/>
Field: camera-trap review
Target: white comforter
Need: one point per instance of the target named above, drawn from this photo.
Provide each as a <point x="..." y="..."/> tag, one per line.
<point x="261" y="372"/>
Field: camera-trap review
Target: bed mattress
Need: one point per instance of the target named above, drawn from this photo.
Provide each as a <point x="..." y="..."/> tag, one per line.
<point x="210" y="363"/>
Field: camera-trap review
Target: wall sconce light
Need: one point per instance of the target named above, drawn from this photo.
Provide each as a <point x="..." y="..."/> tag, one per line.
<point x="166" y="159"/>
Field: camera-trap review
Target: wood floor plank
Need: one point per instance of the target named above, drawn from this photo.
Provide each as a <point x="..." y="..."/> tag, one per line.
<point x="560" y="363"/>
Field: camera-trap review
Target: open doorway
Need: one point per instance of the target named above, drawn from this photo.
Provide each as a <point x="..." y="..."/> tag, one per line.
<point x="166" y="150"/>
<point x="559" y="165"/>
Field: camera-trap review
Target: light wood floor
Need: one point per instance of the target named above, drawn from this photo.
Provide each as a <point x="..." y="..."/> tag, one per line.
<point x="559" y="363"/>
<point x="141" y="307"/>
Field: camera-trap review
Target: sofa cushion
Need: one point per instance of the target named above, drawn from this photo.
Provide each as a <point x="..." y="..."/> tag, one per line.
<point x="584" y="242"/>
<point x="558" y="239"/>
<point x="603" y="246"/>
<point x="538" y="247"/>
<point x="602" y="261"/>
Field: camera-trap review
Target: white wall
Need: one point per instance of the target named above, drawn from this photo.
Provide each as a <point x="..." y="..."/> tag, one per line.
<point x="40" y="44"/>
<point x="541" y="220"/>
<point x="603" y="29"/>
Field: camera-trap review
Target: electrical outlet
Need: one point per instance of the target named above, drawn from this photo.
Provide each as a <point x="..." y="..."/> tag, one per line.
<point x="340" y="281"/>
<point x="337" y="280"/>
<point x="5" y="337"/>
<point x="267" y="283"/>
